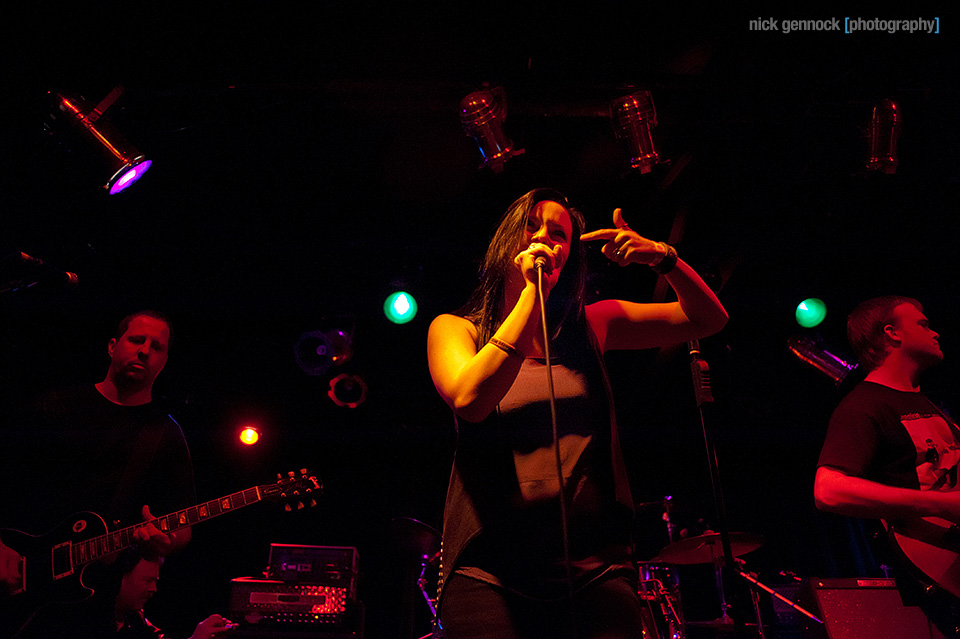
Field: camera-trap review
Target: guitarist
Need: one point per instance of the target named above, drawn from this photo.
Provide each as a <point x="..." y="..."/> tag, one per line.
<point x="890" y="453"/>
<point x="106" y="448"/>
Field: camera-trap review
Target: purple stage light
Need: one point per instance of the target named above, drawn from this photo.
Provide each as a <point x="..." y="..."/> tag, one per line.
<point x="127" y="175"/>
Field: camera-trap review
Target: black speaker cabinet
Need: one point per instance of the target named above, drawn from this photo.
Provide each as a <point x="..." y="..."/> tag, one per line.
<point x="862" y="609"/>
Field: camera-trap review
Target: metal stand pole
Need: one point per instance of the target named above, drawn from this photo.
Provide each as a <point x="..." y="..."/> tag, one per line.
<point x="701" y="386"/>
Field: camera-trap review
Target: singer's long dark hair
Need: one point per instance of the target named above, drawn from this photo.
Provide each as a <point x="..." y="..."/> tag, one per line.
<point x="485" y="306"/>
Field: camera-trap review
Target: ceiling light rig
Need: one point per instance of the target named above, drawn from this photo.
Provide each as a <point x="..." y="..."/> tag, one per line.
<point x="634" y="118"/>
<point x="74" y="115"/>
<point x="885" y="123"/>
<point x="811" y="351"/>
<point x="316" y="351"/>
<point x="482" y="114"/>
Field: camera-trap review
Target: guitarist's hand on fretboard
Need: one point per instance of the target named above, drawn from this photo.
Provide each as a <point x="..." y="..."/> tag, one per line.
<point x="154" y="539"/>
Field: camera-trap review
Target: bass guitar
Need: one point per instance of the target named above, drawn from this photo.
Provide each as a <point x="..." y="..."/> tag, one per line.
<point x="932" y="545"/>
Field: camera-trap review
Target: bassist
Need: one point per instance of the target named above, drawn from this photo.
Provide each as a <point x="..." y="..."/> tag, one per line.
<point x="891" y="454"/>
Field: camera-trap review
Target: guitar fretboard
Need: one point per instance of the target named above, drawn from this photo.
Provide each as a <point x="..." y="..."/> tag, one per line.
<point x="84" y="552"/>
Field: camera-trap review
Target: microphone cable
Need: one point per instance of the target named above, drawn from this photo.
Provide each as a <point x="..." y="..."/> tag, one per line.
<point x="564" y="532"/>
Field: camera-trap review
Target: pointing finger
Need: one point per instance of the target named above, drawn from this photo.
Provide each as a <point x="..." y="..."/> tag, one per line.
<point x="599" y="234"/>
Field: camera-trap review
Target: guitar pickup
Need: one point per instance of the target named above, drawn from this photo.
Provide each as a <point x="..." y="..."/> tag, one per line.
<point x="61" y="562"/>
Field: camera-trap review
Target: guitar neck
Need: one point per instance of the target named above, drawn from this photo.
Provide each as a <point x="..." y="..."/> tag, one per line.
<point x="84" y="552"/>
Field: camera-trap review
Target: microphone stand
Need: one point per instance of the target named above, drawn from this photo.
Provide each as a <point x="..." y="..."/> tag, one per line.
<point x="726" y="565"/>
<point x="701" y="387"/>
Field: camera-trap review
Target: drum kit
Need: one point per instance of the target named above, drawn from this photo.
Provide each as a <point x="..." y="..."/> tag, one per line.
<point x="659" y="584"/>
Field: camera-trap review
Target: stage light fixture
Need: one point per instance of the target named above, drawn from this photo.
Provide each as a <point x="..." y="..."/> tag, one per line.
<point x="634" y="118"/>
<point x="811" y="312"/>
<point x="347" y="390"/>
<point x="885" y="123"/>
<point x="317" y="351"/>
<point x="400" y="307"/>
<point x="482" y="114"/>
<point x="815" y="354"/>
<point x="124" y="163"/>
<point x="249" y="435"/>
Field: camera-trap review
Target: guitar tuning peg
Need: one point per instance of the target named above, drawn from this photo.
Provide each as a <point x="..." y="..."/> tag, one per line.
<point x="287" y="507"/>
<point x="279" y="476"/>
<point x="299" y="505"/>
<point x="303" y="471"/>
<point x="313" y="502"/>
<point x="291" y="474"/>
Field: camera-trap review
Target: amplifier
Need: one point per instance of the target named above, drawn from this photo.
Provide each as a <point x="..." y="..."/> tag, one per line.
<point x="325" y="565"/>
<point x="862" y="609"/>
<point x="275" y="604"/>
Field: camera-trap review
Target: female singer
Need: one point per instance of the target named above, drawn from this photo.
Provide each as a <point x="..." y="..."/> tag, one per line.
<point x="523" y="556"/>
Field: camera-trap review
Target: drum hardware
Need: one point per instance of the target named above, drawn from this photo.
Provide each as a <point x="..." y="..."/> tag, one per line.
<point x="431" y="601"/>
<point x="708" y="549"/>
<point x="665" y="504"/>
<point x="420" y="543"/>
<point x="755" y="595"/>
<point x="659" y="590"/>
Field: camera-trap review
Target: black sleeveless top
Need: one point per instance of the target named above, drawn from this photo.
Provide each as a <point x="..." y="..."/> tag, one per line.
<point x="502" y="521"/>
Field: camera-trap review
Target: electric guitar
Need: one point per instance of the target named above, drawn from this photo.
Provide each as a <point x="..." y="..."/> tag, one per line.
<point x="52" y="565"/>
<point x="932" y="545"/>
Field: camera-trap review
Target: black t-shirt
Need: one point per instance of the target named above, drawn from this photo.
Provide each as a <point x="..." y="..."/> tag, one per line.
<point x="900" y="439"/>
<point x="893" y="437"/>
<point x="71" y="452"/>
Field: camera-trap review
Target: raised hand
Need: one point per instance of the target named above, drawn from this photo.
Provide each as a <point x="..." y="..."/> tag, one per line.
<point x="624" y="245"/>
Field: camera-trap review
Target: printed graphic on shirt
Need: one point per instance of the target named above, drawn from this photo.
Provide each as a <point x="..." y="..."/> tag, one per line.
<point x="938" y="454"/>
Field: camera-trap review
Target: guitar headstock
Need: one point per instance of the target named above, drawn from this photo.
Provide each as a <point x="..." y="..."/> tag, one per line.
<point x="301" y="489"/>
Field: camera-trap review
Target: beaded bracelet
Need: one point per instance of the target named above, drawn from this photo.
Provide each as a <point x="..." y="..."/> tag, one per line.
<point x="667" y="262"/>
<point x="506" y="347"/>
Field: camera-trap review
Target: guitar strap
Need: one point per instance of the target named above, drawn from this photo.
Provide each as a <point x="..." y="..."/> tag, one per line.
<point x="953" y="426"/>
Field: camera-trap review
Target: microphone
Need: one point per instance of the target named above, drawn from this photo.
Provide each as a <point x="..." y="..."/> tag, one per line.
<point x="32" y="271"/>
<point x="540" y="263"/>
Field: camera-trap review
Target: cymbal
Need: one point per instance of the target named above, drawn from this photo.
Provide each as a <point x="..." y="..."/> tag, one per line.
<point x="706" y="548"/>
<point x="415" y="537"/>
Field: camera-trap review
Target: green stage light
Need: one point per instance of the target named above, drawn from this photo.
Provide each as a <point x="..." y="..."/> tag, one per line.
<point x="400" y="307"/>
<point x="810" y="312"/>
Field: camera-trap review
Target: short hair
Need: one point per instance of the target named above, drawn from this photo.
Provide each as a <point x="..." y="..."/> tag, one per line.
<point x="157" y="315"/>
<point x="865" y="326"/>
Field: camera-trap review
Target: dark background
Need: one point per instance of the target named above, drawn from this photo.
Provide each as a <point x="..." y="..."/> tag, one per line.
<point x="309" y="160"/>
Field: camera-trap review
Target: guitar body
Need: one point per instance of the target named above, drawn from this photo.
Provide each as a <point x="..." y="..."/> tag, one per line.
<point x="48" y="572"/>
<point x="932" y="545"/>
<point x="52" y="565"/>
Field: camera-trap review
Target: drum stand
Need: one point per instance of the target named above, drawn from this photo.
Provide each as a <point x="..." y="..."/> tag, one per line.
<point x="437" y="632"/>
<point x="755" y="597"/>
